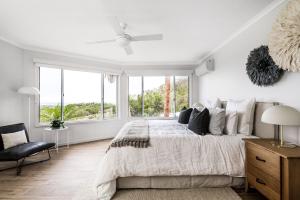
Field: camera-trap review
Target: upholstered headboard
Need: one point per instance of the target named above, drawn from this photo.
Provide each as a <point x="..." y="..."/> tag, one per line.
<point x="261" y="129"/>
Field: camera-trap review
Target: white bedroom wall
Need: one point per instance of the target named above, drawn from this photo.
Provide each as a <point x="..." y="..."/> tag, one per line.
<point x="230" y="81"/>
<point x="11" y="78"/>
<point x="17" y="69"/>
<point x="90" y="131"/>
<point x="79" y="132"/>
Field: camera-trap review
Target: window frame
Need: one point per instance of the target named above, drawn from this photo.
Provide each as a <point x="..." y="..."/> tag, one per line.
<point x="62" y="69"/>
<point x="173" y="97"/>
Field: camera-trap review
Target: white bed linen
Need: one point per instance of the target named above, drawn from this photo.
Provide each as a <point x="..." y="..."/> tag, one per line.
<point x="173" y="151"/>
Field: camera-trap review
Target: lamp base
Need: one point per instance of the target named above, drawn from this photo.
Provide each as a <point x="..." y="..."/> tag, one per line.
<point x="285" y="145"/>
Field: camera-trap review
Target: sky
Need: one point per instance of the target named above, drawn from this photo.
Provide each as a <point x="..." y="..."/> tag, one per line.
<point x="79" y="87"/>
<point x="85" y="87"/>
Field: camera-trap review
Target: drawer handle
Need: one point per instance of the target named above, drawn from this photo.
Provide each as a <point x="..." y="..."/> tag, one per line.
<point x="259" y="159"/>
<point x="260" y="181"/>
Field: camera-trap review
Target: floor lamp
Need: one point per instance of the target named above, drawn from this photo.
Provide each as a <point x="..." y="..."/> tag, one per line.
<point x="29" y="91"/>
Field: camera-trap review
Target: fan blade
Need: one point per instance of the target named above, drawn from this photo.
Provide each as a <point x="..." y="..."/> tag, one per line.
<point x="147" y="37"/>
<point x="128" y="50"/>
<point x="115" y="23"/>
<point x="100" y="41"/>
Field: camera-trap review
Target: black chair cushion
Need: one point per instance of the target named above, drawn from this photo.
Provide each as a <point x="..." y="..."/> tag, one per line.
<point x="11" y="129"/>
<point x="24" y="150"/>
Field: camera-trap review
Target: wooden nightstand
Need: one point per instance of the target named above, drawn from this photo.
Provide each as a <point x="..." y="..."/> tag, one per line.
<point x="275" y="172"/>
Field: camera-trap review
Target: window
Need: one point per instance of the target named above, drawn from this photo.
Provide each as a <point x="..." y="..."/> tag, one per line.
<point x="82" y="95"/>
<point x="50" y="94"/>
<point x="71" y="95"/>
<point x="158" y="96"/>
<point x="135" y="96"/>
<point x="110" y="96"/>
<point x="182" y="94"/>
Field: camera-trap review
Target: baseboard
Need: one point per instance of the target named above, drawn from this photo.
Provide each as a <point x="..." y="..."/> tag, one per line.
<point x="84" y="141"/>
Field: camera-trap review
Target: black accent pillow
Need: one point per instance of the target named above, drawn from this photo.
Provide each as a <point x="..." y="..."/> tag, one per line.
<point x="199" y="121"/>
<point x="184" y="116"/>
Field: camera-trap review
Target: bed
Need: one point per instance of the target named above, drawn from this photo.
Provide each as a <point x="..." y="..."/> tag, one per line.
<point x="178" y="158"/>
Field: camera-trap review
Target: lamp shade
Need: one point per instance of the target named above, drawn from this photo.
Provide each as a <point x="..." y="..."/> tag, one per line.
<point x="281" y="115"/>
<point x="29" y="91"/>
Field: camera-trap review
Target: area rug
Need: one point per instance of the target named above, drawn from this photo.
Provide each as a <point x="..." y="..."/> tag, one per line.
<point x="169" y="194"/>
<point x="178" y="194"/>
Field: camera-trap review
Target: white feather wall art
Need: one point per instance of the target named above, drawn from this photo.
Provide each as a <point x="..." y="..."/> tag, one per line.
<point x="284" y="40"/>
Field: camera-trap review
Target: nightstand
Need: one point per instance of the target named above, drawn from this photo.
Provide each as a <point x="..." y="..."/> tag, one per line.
<point x="273" y="171"/>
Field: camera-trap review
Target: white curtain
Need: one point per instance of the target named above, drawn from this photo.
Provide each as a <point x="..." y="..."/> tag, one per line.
<point x="111" y="78"/>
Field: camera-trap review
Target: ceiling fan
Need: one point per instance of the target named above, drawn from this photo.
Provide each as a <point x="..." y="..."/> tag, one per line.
<point x="123" y="39"/>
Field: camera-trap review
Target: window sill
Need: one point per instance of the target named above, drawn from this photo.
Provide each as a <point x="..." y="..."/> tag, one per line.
<point x="153" y="118"/>
<point x="70" y="123"/>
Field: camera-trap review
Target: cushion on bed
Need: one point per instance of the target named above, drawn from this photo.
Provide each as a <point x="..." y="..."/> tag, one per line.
<point x="184" y="116"/>
<point x="212" y="103"/>
<point x="217" y="121"/>
<point x="245" y="111"/>
<point x="231" y="123"/>
<point x="198" y="106"/>
<point x="199" y="121"/>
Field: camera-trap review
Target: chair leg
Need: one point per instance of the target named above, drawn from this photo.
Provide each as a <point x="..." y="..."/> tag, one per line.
<point x="19" y="166"/>
<point x="49" y="155"/>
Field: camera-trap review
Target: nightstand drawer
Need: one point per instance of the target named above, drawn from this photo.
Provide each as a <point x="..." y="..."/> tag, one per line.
<point x="264" y="160"/>
<point x="264" y="178"/>
<point x="264" y="185"/>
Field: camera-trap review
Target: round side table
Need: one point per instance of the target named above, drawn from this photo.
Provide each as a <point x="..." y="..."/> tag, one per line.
<point x="57" y="132"/>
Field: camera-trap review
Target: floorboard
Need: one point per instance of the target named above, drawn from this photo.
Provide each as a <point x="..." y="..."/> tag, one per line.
<point x="60" y="177"/>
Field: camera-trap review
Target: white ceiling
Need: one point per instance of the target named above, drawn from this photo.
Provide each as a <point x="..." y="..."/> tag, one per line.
<point x="191" y="28"/>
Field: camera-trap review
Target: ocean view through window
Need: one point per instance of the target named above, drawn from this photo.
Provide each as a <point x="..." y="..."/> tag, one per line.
<point x="72" y="95"/>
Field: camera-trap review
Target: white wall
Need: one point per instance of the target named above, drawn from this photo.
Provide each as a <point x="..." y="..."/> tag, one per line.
<point x="80" y="132"/>
<point x="17" y="69"/>
<point x="93" y="130"/>
<point x="230" y="81"/>
<point x="11" y="78"/>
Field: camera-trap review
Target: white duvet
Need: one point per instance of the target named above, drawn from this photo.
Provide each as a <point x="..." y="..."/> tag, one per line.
<point x="173" y="151"/>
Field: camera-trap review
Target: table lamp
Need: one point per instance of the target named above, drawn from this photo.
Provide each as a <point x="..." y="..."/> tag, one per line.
<point x="282" y="116"/>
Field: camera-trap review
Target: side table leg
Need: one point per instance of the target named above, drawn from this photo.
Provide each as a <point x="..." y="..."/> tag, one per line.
<point x="56" y="141"/>
<point x="68" y="139"/>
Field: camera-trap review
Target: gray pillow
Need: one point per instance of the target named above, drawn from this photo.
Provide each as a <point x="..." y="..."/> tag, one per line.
<point x="231" y="123"/>
<point x="217" y="121"/>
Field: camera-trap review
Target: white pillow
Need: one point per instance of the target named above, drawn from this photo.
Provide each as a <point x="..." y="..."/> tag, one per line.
<point x="13" y="139"/>
<point x="245" y="111"/>
<point x="198" y="106"/>
<point x="212" y="103"/>
<point x="231" y="123"/>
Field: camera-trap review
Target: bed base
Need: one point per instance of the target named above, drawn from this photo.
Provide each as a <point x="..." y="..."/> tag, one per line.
<point x="172" y="182"/>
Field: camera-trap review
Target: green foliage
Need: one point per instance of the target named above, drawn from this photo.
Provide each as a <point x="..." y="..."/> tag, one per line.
<point x="79" y="111"/>
<point x="135" y="105"/>
<point x="182" y="94"/>
<point x="154" y="100"/>
<point x="153" y="103"/>
<point x="49" y="113"/>
<point x="153" y="106"/>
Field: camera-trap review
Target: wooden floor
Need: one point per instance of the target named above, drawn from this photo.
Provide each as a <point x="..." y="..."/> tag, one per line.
<point x="63" y="175"/>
